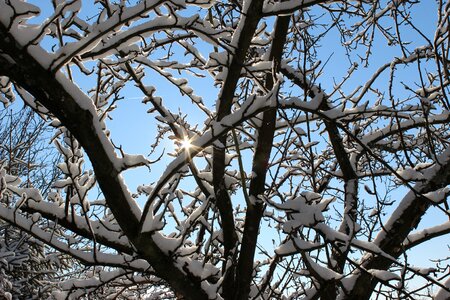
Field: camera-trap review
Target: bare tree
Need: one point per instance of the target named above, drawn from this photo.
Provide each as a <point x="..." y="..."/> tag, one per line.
<point x="310" y="140"/>
<point x="28" y="267"/>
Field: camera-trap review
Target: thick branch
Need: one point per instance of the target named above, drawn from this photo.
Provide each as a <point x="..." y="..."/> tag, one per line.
<point x="404" y="219"/>
<point x="247" y="26"/>
<point x="260" y="167"/>
<point x="44" y="86"/>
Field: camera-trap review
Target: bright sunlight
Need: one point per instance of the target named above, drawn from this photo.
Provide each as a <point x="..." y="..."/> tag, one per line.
<point x="185" y="143"/>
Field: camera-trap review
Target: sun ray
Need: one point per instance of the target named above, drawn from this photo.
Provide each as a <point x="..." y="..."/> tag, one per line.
<point x="185" y="143"/>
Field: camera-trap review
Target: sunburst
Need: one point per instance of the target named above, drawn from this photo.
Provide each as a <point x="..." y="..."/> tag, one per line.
<point x="185" y="143"/>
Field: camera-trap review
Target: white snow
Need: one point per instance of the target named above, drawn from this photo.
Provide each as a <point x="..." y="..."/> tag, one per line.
<point x="324" y="273"/>
<point x="384" y="275"/>
<point x="443" y="294"/>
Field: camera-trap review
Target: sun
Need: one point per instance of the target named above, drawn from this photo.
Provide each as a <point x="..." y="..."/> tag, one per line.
<point x="185" y="143"/>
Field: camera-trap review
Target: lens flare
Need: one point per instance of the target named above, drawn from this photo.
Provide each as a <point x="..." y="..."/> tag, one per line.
<point x="185" y="143"/>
